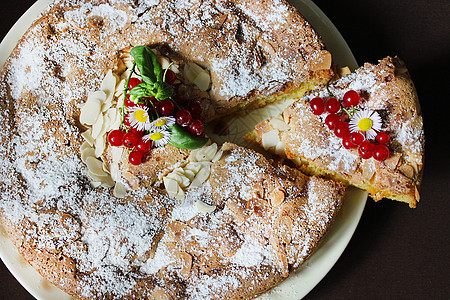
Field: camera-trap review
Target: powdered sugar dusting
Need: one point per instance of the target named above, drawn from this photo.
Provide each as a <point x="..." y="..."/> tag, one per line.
<point x="44" y="185"/>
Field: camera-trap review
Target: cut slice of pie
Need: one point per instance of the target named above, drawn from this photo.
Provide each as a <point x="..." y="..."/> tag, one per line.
<point x="383" y="132"/>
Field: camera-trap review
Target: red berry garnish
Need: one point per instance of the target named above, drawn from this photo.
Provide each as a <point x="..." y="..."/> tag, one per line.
<point x="143" y="146"/>
<point x="136" y="157"/>
<point x="196" y="127"/>
<point x="136" y="132"/>
<point x="383" y="137"/>
<point x="332" y="106"/>
<point x="351" y="98"/>
<point x="317" y="105"/>
<point x="133" y="82"/>
<point x="170" y="76"/>
<point x="165" y="107"/>
<point x="365" y="149"/>
<point x="151" y="99"/>
<point x="356" y="137"/>
<point x="380" y="152"/>
<point x="115" y="138"/>
<point x="130" y="140"/>
<point x="128" y="102"/>
<point x="183" y="117"/>
<point x="348" y="143"/>
<point x="341" y="129"/>
<point x="331" y="120"/>
<point x="126" y="121"/>
<point x="195" y="109"/>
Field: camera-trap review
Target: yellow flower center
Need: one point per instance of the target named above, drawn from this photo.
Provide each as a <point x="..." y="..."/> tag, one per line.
<point x="156" y="136"/>
<point x="161" y="122"/>
<point x="365" y="124"/>
<point x="141" y="116"/>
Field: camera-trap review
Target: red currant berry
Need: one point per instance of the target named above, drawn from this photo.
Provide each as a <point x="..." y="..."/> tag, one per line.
<point x="195" y="109"/>
<point x="170" y="76"/>
<point x="331" y="121"/>
<point x="365" y="155"/>
<point x="365" y="149"/>
<point x="133" y="82"/>
<point x="151" y="99"/>
<point x="351" y="98"/>
<point x="137" y="133"/>
<point x="128" y="102"/>
<point x="130" y="139"/>
<point x="183" y="117"/>
<point x="341" y="130"/>
<point x="196" y="127"/>
<point x="348" y="143"/>
<point x="165" y="107"/>
<point x="143" y="146"/>
<point x="317" y="105"/>
<point x="380" y="152"/>
<point x="136" y="157"/>
<point x="383" y="137"/>
<point x="356" y="137"/>
<point x="332" y="106"/>
<point x="115" y="138"/>
<point x="366" y="146"/>
<point x="126" y="121"/>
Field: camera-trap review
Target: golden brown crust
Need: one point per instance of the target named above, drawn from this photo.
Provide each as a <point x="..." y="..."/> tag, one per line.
<point x="386" y="88"/>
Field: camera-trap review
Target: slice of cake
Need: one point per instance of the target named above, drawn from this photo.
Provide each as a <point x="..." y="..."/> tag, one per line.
<point x="364" y="129"/>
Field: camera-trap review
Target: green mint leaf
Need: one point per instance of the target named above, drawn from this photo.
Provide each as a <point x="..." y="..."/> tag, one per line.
<point x="183" y="139"/>
<point x="163" y="90"/>
<point x="147" y="63"/>
<point x="142" y="90"/>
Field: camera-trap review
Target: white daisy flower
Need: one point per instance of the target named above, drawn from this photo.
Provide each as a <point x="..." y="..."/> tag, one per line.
<point x="368" y="122"/>
<point x="162" y="122"/>
<point x="139" y="118"/>
<point x="158" y="137"/>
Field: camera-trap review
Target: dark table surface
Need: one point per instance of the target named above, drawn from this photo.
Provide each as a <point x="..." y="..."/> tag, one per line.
<point x="396" y="252"/>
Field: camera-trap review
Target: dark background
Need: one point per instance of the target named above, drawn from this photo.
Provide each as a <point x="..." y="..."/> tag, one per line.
<point x="396" y="252"/>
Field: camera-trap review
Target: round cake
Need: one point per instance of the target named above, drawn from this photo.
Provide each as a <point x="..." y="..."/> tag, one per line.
<point x="186" y="218"/>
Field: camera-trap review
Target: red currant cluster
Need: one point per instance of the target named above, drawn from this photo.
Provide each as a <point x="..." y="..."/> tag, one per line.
<point x="189" y="118"/>
<point x="133" y="141"/>
<point x="338" y="121"/>
<point x="131" y="138"/>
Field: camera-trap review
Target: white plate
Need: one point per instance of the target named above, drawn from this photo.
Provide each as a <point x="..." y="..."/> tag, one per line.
<point x="303" y="281"/>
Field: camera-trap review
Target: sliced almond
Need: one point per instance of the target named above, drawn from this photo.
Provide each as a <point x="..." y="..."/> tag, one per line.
<point x="164" y="61"/>
<point x="189" y="174"/>
<point x="203" y="207"/>
<point x="171" y="185"/>
<point x="270" y="139"/>
<point x="194" y="167"/>
<point x="87" y="135"/>
<point x="95" y="166"/>
<point x="84" y="146"/>
<point x="201" y="176"/>
<point x="278" y="123"/>
<point x="207" y="153"/>
<point x="120" y="190"/>
<point x="90" y="112"/>
<point x="97" y="127"/>
<point x="87" y="152"/>
<point x="108" y="86"/>
<point x="203" y="81"/>
<point x="100" y="144"/>
<point x="218" y="156"/>
<point x="107" y="182"/>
